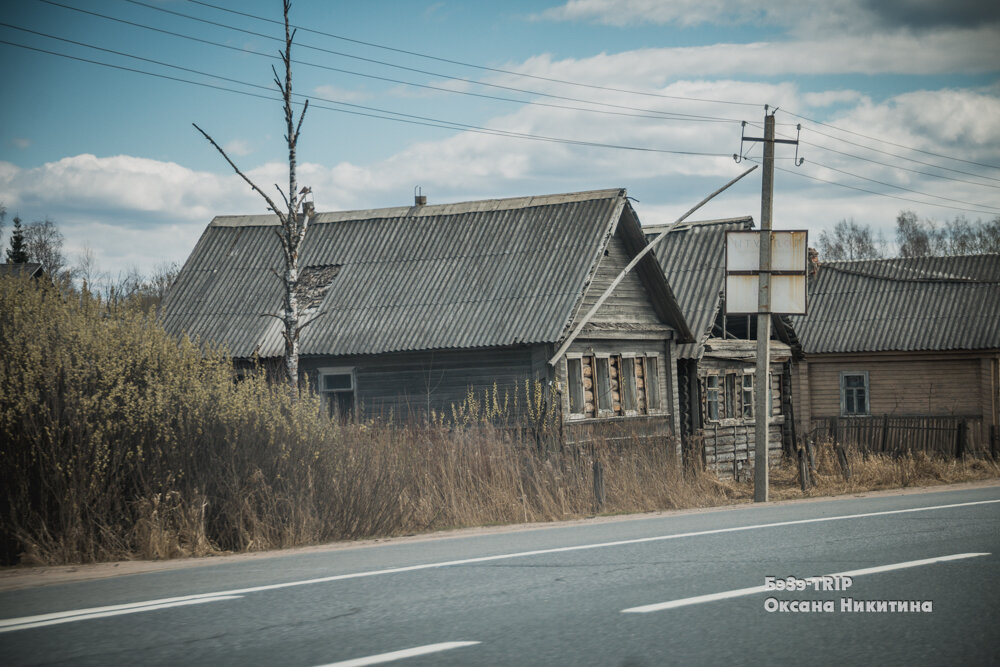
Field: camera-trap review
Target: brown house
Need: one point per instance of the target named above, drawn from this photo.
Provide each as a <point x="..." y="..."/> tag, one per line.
<point x="413" y="307"/>
<point x="897" y="344"/>
<point x="716" y="372"/>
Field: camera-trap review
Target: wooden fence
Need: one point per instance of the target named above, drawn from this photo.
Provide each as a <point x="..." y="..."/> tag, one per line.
<point x="944" y="436"/>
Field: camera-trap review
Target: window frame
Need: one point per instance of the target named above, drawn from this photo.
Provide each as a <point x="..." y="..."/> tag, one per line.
<point x="327" y="395"/>
<point x="651" y="379"/>
<point x="843" y="393"/>
<point x="709" y="400"/>
<point x="746" y="397"/>
<point x="574" y="385"/>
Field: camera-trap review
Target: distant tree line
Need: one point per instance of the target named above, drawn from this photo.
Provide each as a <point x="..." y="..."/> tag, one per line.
<point x="42" y="242"/>
<point x="914" y="238"/>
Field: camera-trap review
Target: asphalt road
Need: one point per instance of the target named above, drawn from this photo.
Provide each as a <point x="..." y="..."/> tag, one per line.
<point x="682" y="589"/>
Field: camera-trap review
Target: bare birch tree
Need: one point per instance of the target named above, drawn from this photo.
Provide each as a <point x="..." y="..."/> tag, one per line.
<point x="293" y="226"/>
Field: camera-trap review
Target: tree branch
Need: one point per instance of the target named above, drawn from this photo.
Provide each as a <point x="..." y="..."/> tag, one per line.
<point x="274" y="207"/>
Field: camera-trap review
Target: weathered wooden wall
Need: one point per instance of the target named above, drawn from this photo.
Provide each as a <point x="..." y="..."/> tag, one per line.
<point x="730" y="448"/>
<point x="900" y="387"/>
<point x="629" y="302"/>
<point x="408" y="384"/>
<point x="728" y="445"/>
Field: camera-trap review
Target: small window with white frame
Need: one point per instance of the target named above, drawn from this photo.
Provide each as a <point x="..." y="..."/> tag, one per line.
<point x="854" y="393"/>
<point x="337" y="389"/>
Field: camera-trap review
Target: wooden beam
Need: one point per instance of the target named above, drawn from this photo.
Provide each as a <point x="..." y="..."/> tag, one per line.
<point x="635" y="260"/>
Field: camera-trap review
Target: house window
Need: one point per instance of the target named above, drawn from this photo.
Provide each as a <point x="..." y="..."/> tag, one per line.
<point x="854" y="394"/>
<point x="652" y="384"/>
<point x="748" y="396"/>
<point x="712" y="397"/>
<point x="604" y="402"/>
<point x="337" y="387"/>
<point x="629" y="399"/>
<point x="574" y="372"/>
<point x="730" y="392"/>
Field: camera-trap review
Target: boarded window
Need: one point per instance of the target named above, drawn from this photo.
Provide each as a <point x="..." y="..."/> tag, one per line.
<point x="574" y="371"/>
<point x="730" y="392"/>
<point x="712" y="397"/>
<point x="652" y="384"/>
<point x="629" y="401"/>
<point x="747" y="396"/>
<point x="603" y="384"/>
<point x="854" y="394"/>
<point x="336" y="387"/>
<point x="615" y="372"/>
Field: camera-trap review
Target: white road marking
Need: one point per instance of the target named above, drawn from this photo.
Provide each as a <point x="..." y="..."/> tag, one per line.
<point x="742" y="592"/>
<point x="12" y="624"/>
<point x="81" y="614"/>
<point x="399" y="655"/>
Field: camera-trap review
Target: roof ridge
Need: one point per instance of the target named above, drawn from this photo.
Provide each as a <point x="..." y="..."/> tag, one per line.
<point x="685" y="225"/>
<point x="907" y="279"/>
<point x="455" y="208"/>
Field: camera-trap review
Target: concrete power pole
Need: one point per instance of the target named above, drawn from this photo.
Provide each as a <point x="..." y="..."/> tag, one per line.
<point x="762" y="377"/>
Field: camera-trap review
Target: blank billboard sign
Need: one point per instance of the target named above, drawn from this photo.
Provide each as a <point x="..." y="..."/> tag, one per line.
<point x="788" y="272"/>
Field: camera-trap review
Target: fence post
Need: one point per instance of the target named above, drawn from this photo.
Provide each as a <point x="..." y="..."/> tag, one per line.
<point x="885" y="433"/>
<point x="598" y="484"/>
<point x="803" y="468"/>
<point x="845" y="466"/>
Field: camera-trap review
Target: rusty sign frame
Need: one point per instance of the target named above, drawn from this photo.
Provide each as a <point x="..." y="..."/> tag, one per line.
<point x="788" y="295"/>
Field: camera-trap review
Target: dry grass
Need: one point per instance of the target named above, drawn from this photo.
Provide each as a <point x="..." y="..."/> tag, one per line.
<point x="119" y="442"/>
<point x="876" y="472"/>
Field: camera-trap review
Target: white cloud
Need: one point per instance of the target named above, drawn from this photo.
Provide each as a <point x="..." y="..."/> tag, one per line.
<point x="237" y="147"/>
<point x="136" y="211"/>
<point x="951" y="51"/>
<point x="813" y="17"/>
<point x="21" y="142"/>
<point x="336" y="94"/>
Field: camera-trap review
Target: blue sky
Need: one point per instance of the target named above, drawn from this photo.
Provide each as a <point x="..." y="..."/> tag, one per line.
<point x="111" y="155"/>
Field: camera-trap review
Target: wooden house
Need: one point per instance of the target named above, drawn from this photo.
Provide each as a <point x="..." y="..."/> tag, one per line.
<point x="716" y="372"/>
<point x="414" y="307"/>
<point x="901" y="351"/>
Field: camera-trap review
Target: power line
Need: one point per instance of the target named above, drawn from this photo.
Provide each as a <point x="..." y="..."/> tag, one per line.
<point x="666" y="115"/>
<point x="403" y="118"/>
<point x="900" y="187"/>
<point x="891" y="143"/>
<point x="874" y="192"/>
<point x="896" y="166"/>
<point x="466" y="64"/>
<point x="575" y="83"/>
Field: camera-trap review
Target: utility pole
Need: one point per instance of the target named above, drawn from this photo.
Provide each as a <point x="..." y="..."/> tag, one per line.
<point x="762" y="375"/>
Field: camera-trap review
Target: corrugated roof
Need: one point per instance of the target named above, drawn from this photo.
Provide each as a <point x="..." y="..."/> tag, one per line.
<point x="30" y="269"/>
<point x="693" y="257"/>
<point x="903" y="304"/>
<point x="476" y="274"/>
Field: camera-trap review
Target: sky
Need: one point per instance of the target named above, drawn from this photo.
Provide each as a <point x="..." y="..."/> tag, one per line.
<point x="898" y="102"/>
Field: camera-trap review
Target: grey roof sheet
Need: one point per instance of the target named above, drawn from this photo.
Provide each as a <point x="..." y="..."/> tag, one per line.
<point x="477" y="274"/>
<point x="31" y="269"/>
<point x="903" y="304"/>
<point x="693" y="258"/>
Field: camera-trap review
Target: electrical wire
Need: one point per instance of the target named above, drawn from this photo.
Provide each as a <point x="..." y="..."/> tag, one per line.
<point x="466" y="64"/>
<point x="871" y="192"/>
<point x="891" y="143"/>
<point x="665" y="115"/>
<point x="379" y="62"/>
<point x="396" y="116"/>
<point x="575" y="83"/>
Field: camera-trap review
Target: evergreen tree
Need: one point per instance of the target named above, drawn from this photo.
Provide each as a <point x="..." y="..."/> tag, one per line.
<point x="17" y="253"/>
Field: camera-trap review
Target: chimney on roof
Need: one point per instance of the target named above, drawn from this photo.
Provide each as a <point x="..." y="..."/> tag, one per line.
<point x="813" y="262"/>
<point x="419" y="198"/>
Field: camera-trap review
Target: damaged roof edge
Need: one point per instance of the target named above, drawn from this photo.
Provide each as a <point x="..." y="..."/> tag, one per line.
<point x="508" y="204"/>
